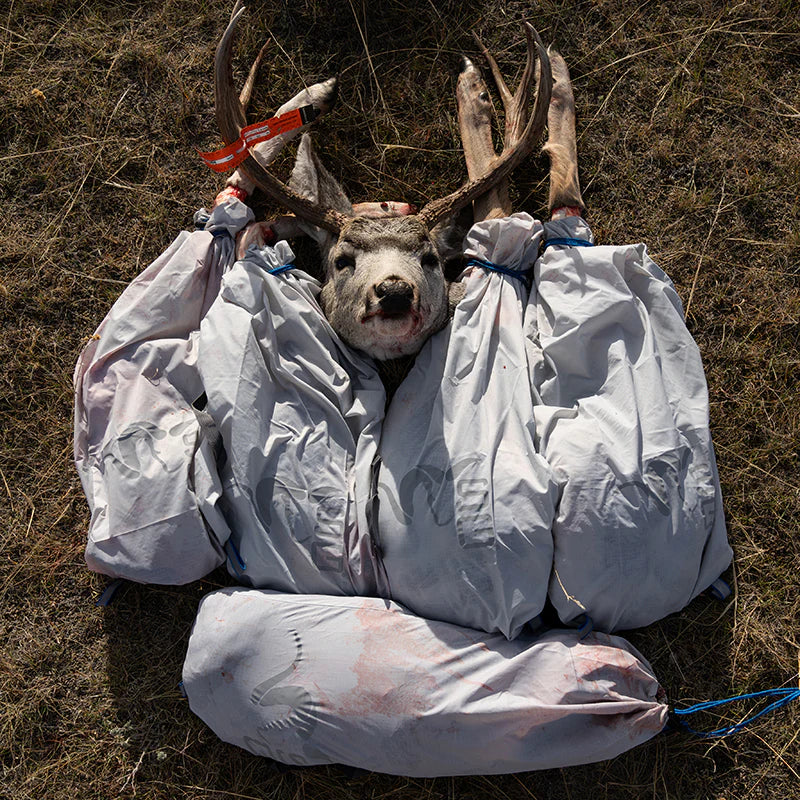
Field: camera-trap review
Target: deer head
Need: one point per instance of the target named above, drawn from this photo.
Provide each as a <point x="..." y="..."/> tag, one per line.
<point x="385" y="291"/>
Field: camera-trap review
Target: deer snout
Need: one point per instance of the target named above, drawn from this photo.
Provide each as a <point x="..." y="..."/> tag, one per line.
<point x="395" y="296"/>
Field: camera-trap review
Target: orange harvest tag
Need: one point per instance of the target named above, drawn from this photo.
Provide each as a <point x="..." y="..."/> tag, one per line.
<point x="231" y="156"/>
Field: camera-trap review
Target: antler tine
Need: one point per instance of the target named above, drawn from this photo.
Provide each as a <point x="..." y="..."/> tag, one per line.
<point x="515" y="105"/>
<point x="517" y="108"/>
<point x="247" y="89"/>
<point x="231" y="119"/>
<point x="229" y="112"/>
<point x="505" y="94"/>
<point x="249" y="84"/>
<point x="475" y="113"/>
<point x="237" y="6"/>
<point x="512" y="156"/>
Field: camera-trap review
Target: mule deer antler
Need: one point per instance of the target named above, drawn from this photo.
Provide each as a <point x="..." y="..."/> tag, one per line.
<point x="475" y="120"/>
<point x="487" y="171"/>
<point x="231" y="119"/>
<point x="475" y="115"/>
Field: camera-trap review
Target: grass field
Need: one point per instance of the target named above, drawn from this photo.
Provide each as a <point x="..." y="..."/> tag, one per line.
<point x="689" y="139"/>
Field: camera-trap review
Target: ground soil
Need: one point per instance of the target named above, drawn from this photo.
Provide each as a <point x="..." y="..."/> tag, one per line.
<point x="689" y="140"/>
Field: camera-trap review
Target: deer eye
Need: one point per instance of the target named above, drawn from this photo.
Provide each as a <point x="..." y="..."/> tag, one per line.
<point x="429" y="261"/>
<point x="343" y="262"/>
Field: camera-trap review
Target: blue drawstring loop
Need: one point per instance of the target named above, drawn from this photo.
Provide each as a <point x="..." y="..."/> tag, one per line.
<point x="785" y="696"/>
<point x="586" y="625"/>
<point x="720" y="590"/>
<point x="568" y="243"/>
<point x="237" y="555"/>
<point x="278" y="270"/>
<point x="520" y="275"/>
<point x="108" y="593"/>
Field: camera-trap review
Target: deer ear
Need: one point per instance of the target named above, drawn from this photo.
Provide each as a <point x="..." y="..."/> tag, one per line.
<point x="312" y="180"/>
<point x="448" y="235"/>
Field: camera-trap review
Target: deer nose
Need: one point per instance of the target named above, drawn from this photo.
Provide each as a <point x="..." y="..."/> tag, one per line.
<point x="395" y="296"/>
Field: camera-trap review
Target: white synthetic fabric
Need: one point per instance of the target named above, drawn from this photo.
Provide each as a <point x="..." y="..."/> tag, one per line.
<point x="148" y="472"/>
<point x="552" y="441"/>
<point x="574" y="418"/>
<point x="299" y="415"/>
<point x="360" y="681"/>
<point x="622" y="419"/>
<point x="466" y="503"/>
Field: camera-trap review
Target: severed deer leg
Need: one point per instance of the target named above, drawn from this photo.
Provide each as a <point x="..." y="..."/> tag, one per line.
<point x="561" y="146"/>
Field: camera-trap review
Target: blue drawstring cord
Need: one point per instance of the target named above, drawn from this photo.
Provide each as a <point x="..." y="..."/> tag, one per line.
<point x="785" y="696"/>
<point x="523" y="275"/>
<point x="568" y="243"/>
<point x="278" y="270"/>
<point x="237" y="555"/>
<point x="520" y="275"/>
<point x="108" y="593"/>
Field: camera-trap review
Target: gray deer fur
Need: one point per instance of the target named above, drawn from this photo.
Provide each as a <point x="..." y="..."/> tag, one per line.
<point x="385" y="291"/>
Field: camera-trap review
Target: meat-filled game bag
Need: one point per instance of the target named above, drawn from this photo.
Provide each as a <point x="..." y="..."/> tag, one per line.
<point x="621" y="417"/>
<point x="148" y="469"/>
<point x="362" y="681"/>
<point x="466" y="503"/>
<point x="299" y="417"/>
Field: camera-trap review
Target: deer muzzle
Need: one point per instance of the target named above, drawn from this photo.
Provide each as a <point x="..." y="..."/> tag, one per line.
<point x="395" y="296"/>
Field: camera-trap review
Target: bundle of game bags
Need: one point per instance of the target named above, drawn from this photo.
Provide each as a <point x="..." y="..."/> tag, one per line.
<point x="550" y="444"/>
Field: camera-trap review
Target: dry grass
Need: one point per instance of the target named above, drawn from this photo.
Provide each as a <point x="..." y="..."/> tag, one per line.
<point x="689" y="139"/>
